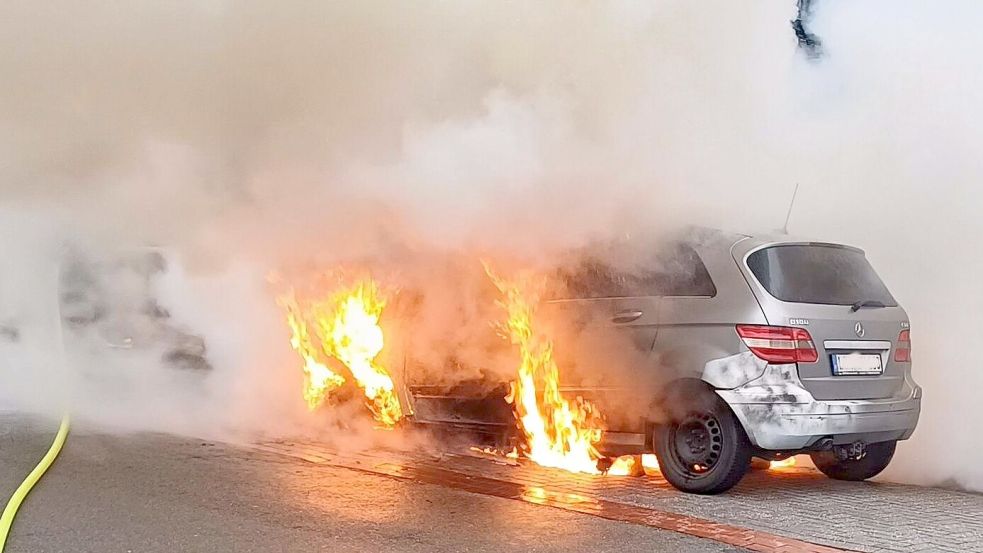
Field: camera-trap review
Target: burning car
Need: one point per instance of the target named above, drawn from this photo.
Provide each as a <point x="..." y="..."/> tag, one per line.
<point x="740" y="347"/>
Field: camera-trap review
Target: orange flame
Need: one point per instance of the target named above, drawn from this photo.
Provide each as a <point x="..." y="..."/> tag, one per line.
<point x="651" y="462"/>
<point x="319" y="380"/>
<point x="625" y="465"/>
<point x="353" y="336"/>
<point x="784" y="463"/>
<point x="347" y="326"/>
<point x="559" y="433"/>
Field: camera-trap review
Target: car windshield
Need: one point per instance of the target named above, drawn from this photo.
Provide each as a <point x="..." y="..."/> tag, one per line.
<point x="817" y="273"/>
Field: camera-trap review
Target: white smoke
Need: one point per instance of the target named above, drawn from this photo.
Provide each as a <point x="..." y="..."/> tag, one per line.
<point x="249" y="138"/>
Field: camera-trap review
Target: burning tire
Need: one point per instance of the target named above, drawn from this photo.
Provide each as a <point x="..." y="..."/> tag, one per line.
<point x="703" y="448"/>
<point x="876" y="459"/>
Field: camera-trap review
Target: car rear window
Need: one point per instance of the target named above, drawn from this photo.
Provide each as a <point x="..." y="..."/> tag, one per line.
<point x="816" y="273"/>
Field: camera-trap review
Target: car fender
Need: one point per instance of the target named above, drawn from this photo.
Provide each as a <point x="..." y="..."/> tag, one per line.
<point x="733" y="371"/>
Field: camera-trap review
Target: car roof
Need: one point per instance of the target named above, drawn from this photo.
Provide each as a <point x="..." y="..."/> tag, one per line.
<point x="717" y="242"/>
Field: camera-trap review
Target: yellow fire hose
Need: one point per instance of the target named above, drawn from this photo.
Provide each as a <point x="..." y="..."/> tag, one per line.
<point x="7" y="518"/>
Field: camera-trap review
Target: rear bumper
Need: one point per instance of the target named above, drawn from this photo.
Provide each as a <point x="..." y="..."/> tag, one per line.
<point x="778" y="413"/>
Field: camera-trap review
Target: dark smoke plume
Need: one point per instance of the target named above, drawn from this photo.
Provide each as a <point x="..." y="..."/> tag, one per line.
<point x="808" y="41"/>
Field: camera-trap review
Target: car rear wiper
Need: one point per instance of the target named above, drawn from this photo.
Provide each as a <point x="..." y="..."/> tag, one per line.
<point x="866" y="303"/>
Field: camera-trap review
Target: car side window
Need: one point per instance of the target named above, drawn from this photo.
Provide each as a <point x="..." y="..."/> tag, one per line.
<point x="673" y="271"/>
<point x="681" y="272"/>
<point x="593" y="278"/>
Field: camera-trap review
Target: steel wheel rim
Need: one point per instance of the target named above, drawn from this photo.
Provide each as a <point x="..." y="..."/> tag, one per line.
<point x="696" y="443"/>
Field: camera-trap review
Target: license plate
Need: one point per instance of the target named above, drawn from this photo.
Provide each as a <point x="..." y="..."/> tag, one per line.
<point x="857" y="364"/>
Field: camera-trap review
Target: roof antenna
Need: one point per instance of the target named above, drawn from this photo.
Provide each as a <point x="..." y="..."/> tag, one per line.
<point x="791" y="204"/>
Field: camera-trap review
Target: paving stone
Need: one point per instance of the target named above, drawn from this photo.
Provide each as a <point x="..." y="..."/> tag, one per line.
<point x="797" y="503"/>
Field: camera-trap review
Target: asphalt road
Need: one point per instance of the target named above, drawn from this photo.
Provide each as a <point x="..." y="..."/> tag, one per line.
<point x="147" y="493"/>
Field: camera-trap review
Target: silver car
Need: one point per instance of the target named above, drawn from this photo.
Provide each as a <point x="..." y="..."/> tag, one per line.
<point x="742" y="347"/>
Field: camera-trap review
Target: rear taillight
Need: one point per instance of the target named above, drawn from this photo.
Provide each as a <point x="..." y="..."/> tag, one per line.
<point x="902" y="353"/>
<point x="779" y="344"/>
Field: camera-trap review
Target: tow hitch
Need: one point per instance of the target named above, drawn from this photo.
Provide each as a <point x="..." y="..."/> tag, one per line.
<point x="856" y="450"/>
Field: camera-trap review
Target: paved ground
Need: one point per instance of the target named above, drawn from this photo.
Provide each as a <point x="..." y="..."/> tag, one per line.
<point x="163" y="493"/>
<point x="147" y="493"/>
<point x="794" y="503"/>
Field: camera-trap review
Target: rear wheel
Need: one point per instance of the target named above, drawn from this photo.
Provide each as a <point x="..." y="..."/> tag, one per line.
<point x="876" y="458"/>
<point x="702" y="448"/>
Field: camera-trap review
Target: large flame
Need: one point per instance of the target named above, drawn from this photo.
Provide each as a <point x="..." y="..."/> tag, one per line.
<point x="347" y="327"/>
<point x="319" y="380"/>
<point x="351" y="334"/>
<point x="559" y="433"/>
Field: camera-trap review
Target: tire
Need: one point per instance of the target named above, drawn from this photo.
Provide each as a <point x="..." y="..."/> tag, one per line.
<point x="702" y="448"/>
<point x="876" y="459"/>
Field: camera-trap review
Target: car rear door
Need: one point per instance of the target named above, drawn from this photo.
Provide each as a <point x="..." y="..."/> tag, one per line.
<point x="605" y="322"/>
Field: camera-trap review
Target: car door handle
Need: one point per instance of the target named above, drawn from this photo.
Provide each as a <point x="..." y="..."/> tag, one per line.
<point x="626" y="316"/>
